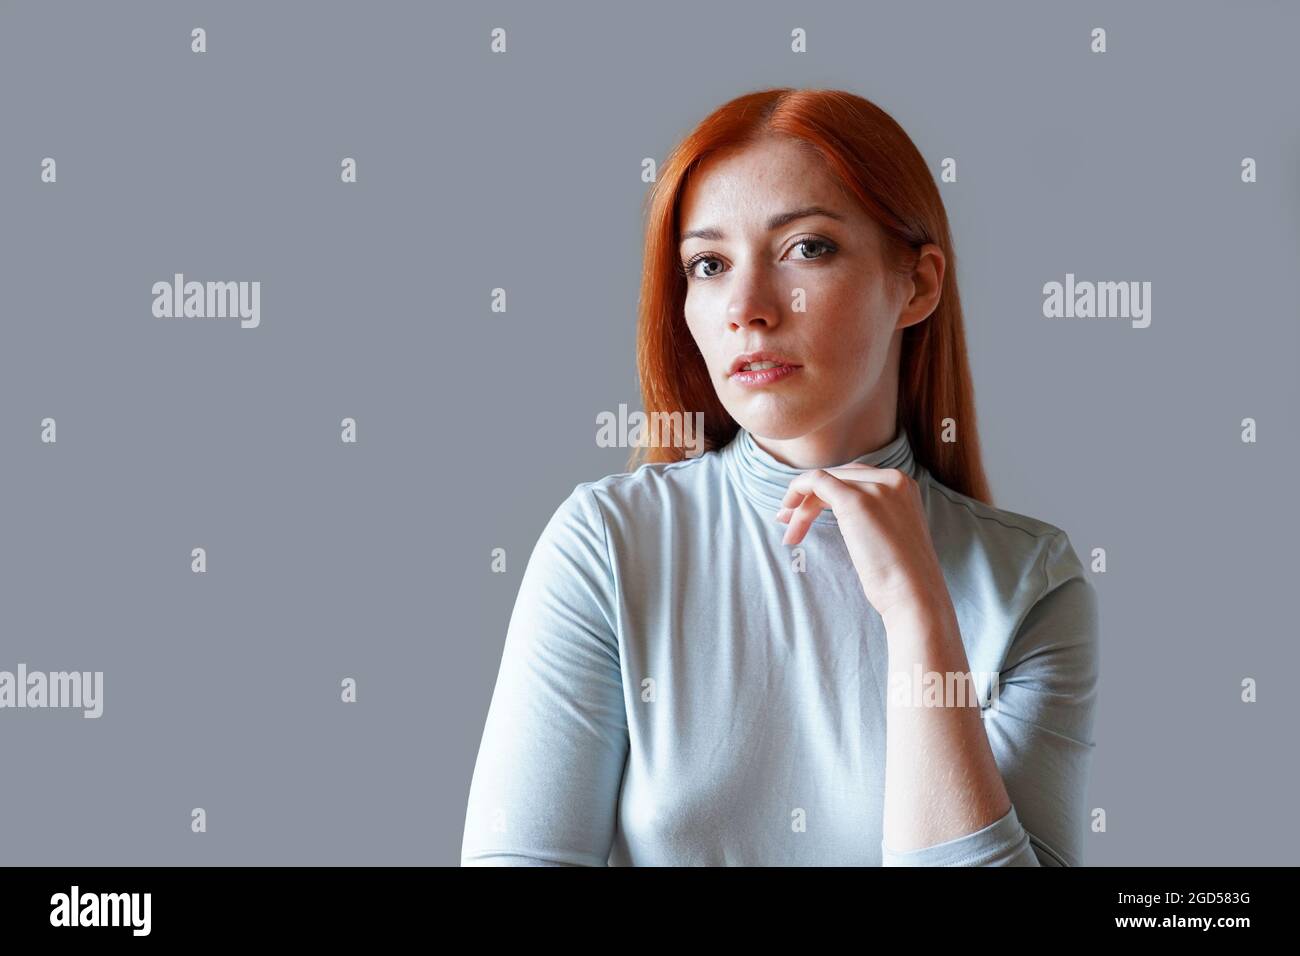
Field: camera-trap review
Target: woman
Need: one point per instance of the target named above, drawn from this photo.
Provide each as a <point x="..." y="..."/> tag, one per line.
<point x="755" y="655"/>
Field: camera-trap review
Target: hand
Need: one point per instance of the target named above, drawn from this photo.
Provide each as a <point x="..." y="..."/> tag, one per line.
<point x="883" y="521"/>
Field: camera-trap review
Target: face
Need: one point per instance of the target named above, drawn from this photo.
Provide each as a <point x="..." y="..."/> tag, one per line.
<point x="812" y="291"/>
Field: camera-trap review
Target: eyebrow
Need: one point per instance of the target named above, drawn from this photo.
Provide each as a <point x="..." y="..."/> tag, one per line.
<point x="776" y="222"/>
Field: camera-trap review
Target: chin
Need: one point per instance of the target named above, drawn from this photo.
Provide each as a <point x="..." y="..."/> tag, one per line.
<point x="776" y="425"/>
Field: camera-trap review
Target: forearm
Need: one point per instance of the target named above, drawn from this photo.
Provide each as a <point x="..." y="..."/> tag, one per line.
<point x="941" y="780"/>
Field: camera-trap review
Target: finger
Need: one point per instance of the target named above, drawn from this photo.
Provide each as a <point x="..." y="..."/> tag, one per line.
<point x="802" y="518"/>
<point x="792" y="498"/>
<point x="854" y="471"/>
<point x="857" y="471"/>
<point x="834" y="492"/>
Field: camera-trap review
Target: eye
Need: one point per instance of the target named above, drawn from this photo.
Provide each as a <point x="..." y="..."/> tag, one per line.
<point x="814" y="241"/>
<point x="688" y="267"/>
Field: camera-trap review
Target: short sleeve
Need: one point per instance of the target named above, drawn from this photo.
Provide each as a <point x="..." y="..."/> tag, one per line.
<point x="545" y="786"/>
<point x="1040" y="729"/>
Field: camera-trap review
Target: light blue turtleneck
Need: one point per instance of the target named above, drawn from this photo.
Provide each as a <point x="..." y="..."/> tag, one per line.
<point x="678" y="687"/>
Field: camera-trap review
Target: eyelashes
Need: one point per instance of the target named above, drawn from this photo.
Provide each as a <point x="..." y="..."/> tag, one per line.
<point x="687" y="268"/>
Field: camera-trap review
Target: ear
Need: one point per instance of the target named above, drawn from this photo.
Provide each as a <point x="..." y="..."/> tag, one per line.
<point x="921" y="291"/>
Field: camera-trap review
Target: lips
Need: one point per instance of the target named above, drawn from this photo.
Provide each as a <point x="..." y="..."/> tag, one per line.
<point x="748" y="358"/>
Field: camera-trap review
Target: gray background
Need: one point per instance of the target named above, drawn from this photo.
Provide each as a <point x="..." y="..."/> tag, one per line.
<point x="523" y="171"/>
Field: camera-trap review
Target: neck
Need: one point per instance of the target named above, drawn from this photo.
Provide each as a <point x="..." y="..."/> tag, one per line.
<point x="764" y="479"/>
<point x="833" y="444"/>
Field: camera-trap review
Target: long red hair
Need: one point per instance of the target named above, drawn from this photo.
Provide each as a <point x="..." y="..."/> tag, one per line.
<point x="876" y="161"/>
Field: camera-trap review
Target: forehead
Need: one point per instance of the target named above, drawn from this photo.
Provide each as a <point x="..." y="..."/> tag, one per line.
<point x="741" y="188"/>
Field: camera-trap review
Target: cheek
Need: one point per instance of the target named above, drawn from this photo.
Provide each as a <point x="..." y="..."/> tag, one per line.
<point x="701" y="340"/>
<point x="852" y="316"/>
<point x="693" y="327"/>
<point x="849" y="341"/>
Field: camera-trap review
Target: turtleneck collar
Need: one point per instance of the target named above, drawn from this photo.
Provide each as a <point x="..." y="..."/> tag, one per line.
<point x="764" y="480"/>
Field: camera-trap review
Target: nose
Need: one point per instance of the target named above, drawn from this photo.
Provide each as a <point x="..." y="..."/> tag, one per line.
<point x="753" y="303"/>
<point x="767" y="319"/>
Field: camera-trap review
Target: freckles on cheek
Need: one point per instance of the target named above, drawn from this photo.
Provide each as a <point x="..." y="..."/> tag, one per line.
<point x="706" y="348"/>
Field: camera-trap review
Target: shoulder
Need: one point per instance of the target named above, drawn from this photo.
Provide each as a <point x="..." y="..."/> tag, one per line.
<point x="606" y="525"/>
<point x="1019" y="557"/>
<point x="646" y="495"/>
